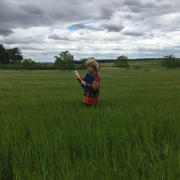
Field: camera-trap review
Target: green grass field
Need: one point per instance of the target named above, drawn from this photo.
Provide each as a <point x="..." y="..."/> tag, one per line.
<point x="46" y="132"/>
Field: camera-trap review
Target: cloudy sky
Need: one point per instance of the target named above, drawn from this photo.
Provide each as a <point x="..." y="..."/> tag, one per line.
<point x="91" y="28"/>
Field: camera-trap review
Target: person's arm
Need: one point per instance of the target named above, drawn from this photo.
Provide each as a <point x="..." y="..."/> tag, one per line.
<point x="80" y="79"/>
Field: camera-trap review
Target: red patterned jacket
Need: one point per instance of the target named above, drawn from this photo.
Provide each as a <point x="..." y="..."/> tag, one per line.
<point x="91" y="91"/>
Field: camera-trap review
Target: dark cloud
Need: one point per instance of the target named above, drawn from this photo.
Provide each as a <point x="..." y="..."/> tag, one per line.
<point x="128" y="16"/>
<point x="132" y="33"/>
<point x="138" y="6"/>
<point x="21" y="15"/>
<point x="6" y="32"/>
<point x="20" y="40"/>
<point x="58" y="37"/>
<point x="80" y="26"/>
<point x="95" y="28"/>
<point x="17" y="15"/>
<point x="32" y="9"/>
<point x="113" y="27"/>
<point x="106" y="13"/>
<point x="133" y="3"/>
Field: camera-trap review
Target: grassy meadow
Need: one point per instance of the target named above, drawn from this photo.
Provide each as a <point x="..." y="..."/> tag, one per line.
<point x="46" y="132"/>
<point x="148" y="64"/>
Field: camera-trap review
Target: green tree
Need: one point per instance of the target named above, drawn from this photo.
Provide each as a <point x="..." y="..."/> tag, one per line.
<point x="170" y="62"/>
<point x="121" y="62"/>
<point x="83" y="63"/>
<point x="14" y="55"/>
<point x="65" y="61"/>
<point x="3" y="55"/>
<point x="28" y="64"/>
<point x="178" y="62"/>
<point x="8" y="56"/>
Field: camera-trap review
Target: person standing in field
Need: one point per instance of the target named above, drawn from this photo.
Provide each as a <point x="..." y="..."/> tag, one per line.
<point x="91" y="90"/>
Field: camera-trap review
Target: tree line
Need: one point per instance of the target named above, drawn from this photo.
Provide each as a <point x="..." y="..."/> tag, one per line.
<point x="10" y="56"/>
<point x="13" y="59"/>
<point x="170" y="62"/>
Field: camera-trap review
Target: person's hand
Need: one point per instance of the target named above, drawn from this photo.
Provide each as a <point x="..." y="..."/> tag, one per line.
<point x="76" y="73"/>
<point x="83" y="82"/>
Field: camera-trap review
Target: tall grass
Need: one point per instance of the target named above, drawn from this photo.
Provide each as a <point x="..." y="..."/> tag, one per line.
<point x="47" y="133"/>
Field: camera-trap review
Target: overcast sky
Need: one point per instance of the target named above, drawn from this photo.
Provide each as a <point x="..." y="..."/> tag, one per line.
<point x="101" y="29"/>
